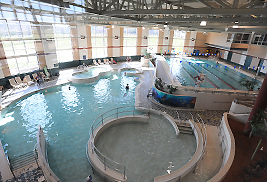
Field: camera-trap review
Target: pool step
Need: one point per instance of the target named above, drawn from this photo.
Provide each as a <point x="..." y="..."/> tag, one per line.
<point x="185" y="128"/>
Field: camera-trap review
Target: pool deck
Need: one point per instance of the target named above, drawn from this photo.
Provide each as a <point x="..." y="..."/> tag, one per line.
<point x="212" y="158"/>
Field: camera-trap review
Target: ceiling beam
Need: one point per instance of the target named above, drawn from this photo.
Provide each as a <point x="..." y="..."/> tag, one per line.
<point x="205" y="3"/>
<point x="223" y="4"/>
<point x="202" y="11"/>
<point x="251" y="3"/>
<point x="229" y="20"/>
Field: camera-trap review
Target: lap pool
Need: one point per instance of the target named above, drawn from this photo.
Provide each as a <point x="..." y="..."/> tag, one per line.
<point x="216" y="75"/>
<point x="66" y="113"/>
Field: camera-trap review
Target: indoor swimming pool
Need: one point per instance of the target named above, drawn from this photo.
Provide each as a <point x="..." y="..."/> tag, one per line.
<point x="147" y="149"/>
<point x="216" y="75"/>
<point x="66" y="114"/>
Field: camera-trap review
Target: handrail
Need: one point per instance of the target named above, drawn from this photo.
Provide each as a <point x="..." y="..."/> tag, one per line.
<point x="100" y="120"/>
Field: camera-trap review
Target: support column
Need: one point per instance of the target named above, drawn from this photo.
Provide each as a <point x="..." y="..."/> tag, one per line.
<point x="38" y="43"/>
<point x="160" y="42"/>
<point x="89" y="42"/>
<point x="139" y="41"/>
<point x="110" y="41"/>
<point x="74" y="41"/>
<point x="4" y="71"/>
<point x="171" y="40"/>
<point x="261" y="102"/>
<point x="121" y="41"/>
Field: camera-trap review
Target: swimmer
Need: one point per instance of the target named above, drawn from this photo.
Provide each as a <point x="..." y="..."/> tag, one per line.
<point x="125" y="94"/>
<point x="69" y="87"/>
<point x="127" y="87"/>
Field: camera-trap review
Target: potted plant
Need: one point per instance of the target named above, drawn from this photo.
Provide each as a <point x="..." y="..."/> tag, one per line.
<point x="171" y="89"/>
<point x="249" y="84"/>
<point x="259" y="127"/>
<point x="159" y="83"/>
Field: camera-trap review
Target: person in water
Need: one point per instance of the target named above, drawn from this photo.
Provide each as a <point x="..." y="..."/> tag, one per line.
<point x="127" y="87"/>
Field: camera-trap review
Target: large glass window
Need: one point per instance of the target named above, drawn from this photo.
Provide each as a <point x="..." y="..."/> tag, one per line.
<point x="178" y="41"/>
<point x="99" y="41"/>
<point x="19" y="48"/>
<point x="63" y="43"/>
<point x="153" y="39"/>
<point x="129" y="41"/>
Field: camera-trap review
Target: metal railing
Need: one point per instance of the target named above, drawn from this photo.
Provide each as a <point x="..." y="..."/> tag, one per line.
<point x="204" y="137"/>
<point x="100" y="121"/>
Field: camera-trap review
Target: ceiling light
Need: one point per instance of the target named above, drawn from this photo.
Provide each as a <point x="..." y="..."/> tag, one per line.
<point x="235" y="26"/>
<point x="236" y="22"/>
<point x="203" y="23"/>
<point x="254" y="16"/>
<point x="165" y="25"/>
<point x="144" y="28"/>
<point x="112" y="26"/>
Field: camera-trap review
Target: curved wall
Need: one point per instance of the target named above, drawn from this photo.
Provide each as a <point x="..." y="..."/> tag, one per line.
<point x="173" y="100"/>
<point x="228" y="144"/>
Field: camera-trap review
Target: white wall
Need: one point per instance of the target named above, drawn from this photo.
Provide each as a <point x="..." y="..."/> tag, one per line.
<point x="218" y="39"/>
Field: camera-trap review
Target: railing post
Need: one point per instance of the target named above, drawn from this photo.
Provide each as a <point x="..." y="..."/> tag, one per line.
<point x="133" y="111"/>
<point x="35" y="157"/>
<point x="105" y="163"/>
<point x="117" y="113"/>
<point x="102" y="119"/>
<point x="123" y="172"/>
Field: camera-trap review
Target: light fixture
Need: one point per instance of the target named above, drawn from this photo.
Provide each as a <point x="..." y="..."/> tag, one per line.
<point x="203" y="23"/>
<point x="165" y="25"/>
<point x="235" y="26"/>
<point x="236" y="22"/>
<point x="112" y="26"/>
<point x="143" y="28"/>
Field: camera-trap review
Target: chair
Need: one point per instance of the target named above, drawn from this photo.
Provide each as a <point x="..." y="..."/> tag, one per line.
<point x="99" y="61"/>
<point x="34" y="75"/>
<point x="44" y="77"/>
<point x="19" y="81"/>
<point x="28" y="80"/>
<point x="13" y="83"/>
<point x="95" y="63"/>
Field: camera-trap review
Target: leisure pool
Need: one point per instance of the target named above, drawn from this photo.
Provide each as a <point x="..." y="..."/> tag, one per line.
<point x="66" y="113"/>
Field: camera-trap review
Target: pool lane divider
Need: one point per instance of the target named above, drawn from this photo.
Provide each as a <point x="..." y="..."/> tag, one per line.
<point x="220" y="79"/>
<point x="208" y="80"/>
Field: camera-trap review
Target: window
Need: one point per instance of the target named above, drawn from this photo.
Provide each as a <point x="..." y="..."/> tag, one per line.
<point x="129" y="41"/>
<point x="99" y="41"/>
<point x="238" y="38"/>
<point x="63" y="43"/>
<point x="153" y="39"/>
<point x="19" y="49"/>
<point x="259" y="39"/>
<point x="178" y="41"/>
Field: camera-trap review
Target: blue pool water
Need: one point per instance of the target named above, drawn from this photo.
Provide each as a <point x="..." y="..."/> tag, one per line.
<point x="66" y="116"/>
<point x="216" y="76"/>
